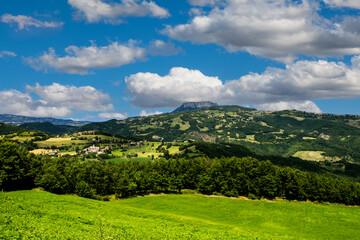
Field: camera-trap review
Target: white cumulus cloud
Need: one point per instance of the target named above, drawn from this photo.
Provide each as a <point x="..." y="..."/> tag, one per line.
<point x="150" y="90"/>
<point x="54" y="100"/>
<point x="80" y="60"/>
<point x="26" y="22"/>
<point x="302" y="80"/>
<point x="276" y="29"/>
<point x="291" y="88"/>
<point x="143" y="113"/>
<point x="112" y="115"/>
<point x="306" y="106"/>
<point x="113" y="12"/>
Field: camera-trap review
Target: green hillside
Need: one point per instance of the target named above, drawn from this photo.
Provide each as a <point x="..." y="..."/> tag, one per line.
<point x="49" y="127"/>
<point x="9" y="129"/>
<point x="42" y="215"/>
<point x="282" y="133"/>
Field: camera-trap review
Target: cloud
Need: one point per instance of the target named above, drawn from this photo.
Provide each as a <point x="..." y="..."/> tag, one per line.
<point x="302" y="80"/>
<point x="112" y="12"/>
<point x="53" y="101"/>
<point x="150" y="90"/>
<point x="146" y="114"/>
<point x="159" y="47"/>
<point x="306" y="106"/>
<point x="203" y="3"/>
<point x="80" y="59"/>
<point x="26" y="22"/>
<point x="343" y="3"/>
<point x="7" y="53"/>
<point x="277" y="29"/>
<point x="112" y="115"/>
<point x="292" y="87"/>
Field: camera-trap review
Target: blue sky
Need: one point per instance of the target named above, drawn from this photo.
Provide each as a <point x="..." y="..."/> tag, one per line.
<point x="98" y="59"/>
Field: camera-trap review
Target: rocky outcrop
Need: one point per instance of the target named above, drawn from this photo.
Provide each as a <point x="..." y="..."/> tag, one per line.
<point x="189" y="106"/>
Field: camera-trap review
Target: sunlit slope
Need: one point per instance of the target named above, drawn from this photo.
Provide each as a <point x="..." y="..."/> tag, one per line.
<point x="31" y="214"/>
<point x="278" y="133"/>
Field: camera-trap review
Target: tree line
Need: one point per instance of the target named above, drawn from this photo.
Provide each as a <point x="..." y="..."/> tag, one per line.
<point x="226" y="176"/>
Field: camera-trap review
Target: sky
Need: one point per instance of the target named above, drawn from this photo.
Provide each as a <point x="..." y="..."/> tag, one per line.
<point x="100" y="59"/>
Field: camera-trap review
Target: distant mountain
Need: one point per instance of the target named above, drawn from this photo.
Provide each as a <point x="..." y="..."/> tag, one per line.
<point x="49" y="127"/>
<point x="189" y="106"/>
<point x="18" y="120"/>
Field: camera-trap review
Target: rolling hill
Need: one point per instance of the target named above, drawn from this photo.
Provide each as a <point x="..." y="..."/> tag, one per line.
<point x="42" y="215"/>
<point x="49" y="127"/>
<point x="284" y="133"/>
<point x="9" y="129"/>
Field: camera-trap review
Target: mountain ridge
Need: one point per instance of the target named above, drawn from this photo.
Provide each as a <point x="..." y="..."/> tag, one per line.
<point x="17" y="120"/>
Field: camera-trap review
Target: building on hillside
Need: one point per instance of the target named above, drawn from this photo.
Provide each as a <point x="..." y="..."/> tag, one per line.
<point x="94" y="149"/>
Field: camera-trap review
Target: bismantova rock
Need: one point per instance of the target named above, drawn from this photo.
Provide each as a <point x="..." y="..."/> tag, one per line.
<point x="188" y="106"/>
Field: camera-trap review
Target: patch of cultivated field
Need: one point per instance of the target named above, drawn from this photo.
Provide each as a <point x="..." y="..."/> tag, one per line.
<point x="42" y="215"/>
<point x="183" y="125"/>
<point x="316" y="156"/>
<point x="43" y="151"/>
<point x="90" y="137"/>
<point x="60" y="141"/>
<point x="250" y="138"/>
<point x="22" y="138"/>
<point x="72" y="153"/>
<point x="145" y="152"/>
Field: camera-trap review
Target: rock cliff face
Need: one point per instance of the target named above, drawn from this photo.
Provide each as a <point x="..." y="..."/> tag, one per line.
<point x="189" y="106"/>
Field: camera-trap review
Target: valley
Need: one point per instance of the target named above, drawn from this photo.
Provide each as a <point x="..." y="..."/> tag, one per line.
<point x="34" y="214"/>
<point x="224" y="171"/>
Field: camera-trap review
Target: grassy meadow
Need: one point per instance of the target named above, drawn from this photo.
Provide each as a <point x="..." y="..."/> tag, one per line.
<point x="42" y="215"/>
<point x="144" y="153"/>
<point x="316" y="156"/>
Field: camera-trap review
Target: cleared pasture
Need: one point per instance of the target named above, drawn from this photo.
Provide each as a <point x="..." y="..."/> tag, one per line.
<point x="42" y="215"/>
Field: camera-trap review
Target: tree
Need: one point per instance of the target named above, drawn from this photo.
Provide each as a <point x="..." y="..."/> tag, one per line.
<point x="17" y="167"/>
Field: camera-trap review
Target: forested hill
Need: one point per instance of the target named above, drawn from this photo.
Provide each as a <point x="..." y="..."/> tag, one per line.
<point x="49" y="127"/>
<point x="8" y="129"/>
<point x="278" y="133"/>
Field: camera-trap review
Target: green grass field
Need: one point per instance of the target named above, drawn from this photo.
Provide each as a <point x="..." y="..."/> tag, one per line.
<point x="42" y="215"/>
<point x="146" y="151"/>
<point x="68" y="141"/>
<point x="316" y="156"/>
<point x="58" y="142"/>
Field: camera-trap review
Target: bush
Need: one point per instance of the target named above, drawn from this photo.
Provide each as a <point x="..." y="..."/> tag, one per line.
<point x="84" y="190"/>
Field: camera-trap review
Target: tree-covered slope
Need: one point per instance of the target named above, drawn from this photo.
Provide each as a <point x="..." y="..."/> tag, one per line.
<point x="9" y="129"/>
<point x="278" y="133"/>
<point x="49" y="127"/>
